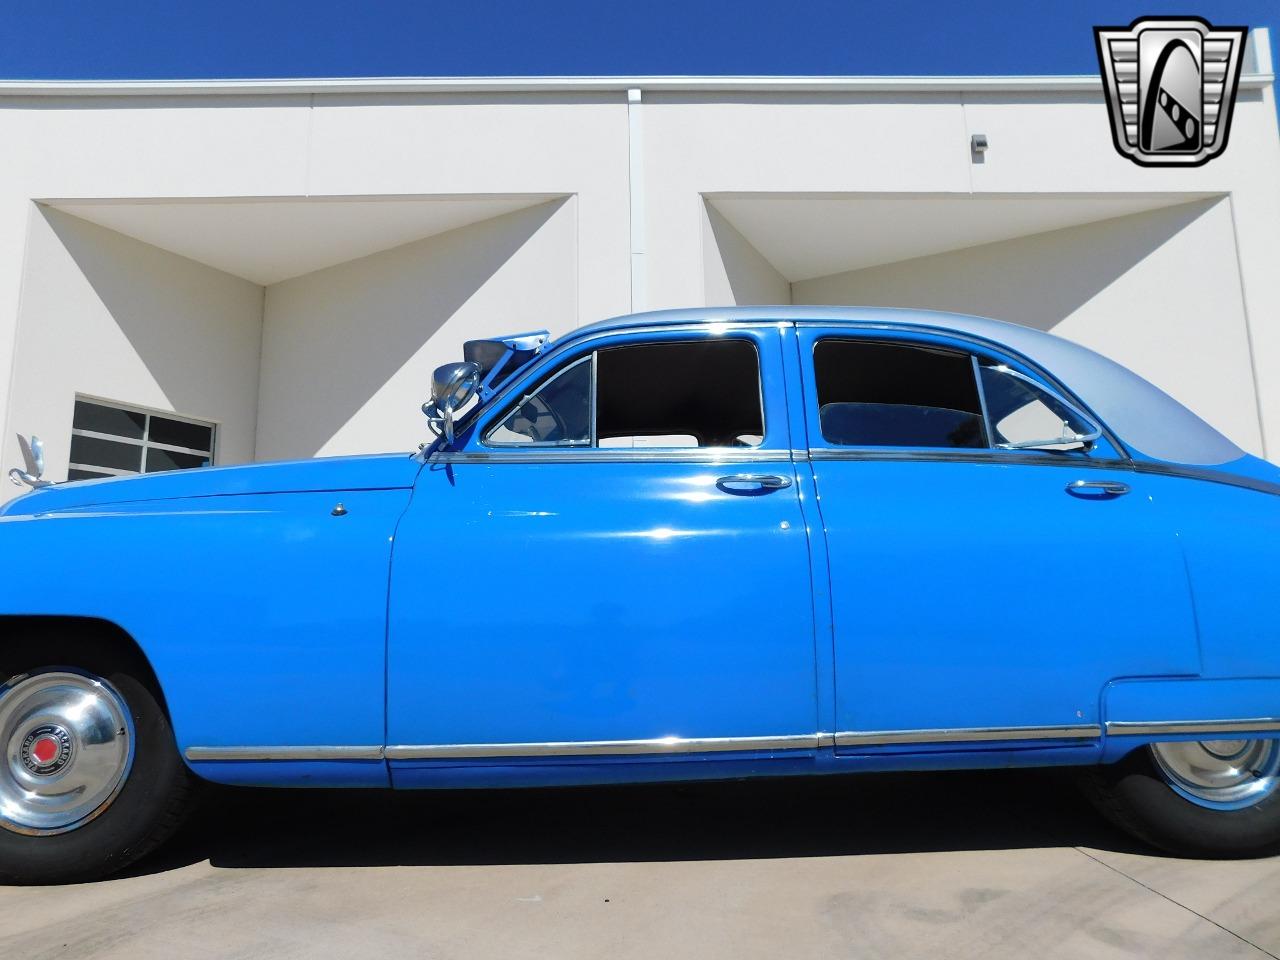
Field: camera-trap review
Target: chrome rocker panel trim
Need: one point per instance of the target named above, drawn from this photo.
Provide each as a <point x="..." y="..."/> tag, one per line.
<point x="875" y="738"/>
<point x="198" y="754"/>
<point x="589" y="748"/>
<point x="1130" y="728"/>
<point x="682" y="745"/>
<point x="653" y="746"/>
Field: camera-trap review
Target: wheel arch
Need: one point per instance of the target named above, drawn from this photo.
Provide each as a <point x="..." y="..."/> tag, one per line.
<point x="16" y="628"/>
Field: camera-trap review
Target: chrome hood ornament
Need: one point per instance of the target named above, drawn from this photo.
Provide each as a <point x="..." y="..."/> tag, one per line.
<point x="33" y="452"/>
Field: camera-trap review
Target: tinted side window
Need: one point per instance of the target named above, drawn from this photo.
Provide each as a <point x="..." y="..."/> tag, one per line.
<point x="703" y="393"/>
<point x="556" y="413"/>
<point x="892" y="395"/>
<point x="1023" y="413"/>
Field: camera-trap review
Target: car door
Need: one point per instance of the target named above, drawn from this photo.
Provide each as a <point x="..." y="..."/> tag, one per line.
<point x="612" y="560"/>
<point x="980" y="596"/>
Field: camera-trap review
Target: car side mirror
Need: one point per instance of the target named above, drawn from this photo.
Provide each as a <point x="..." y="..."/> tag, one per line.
<point x="452" y="387"/>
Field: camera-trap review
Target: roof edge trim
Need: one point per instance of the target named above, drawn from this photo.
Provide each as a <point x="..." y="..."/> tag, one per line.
<point x="657" y="84"/>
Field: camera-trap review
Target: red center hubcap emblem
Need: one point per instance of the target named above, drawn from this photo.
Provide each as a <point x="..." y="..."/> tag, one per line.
<point x="44" y="750"/>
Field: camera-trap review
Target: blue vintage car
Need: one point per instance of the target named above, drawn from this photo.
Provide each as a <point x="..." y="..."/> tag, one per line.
<point x="680" y="545"/>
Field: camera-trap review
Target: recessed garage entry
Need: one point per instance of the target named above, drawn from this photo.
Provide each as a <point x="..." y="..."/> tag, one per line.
<point x="1152" y="281"/>
<point x="274" y="329"/>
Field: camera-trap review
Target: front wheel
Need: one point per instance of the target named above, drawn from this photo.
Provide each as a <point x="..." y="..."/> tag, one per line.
<point x="1203" y="798"/>
<point x="90" y="779"/>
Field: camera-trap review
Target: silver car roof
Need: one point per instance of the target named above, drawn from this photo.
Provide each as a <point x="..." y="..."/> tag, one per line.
<point x="1145" y="418"/>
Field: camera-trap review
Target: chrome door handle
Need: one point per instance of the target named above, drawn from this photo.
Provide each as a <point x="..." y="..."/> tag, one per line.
<point x="1100" y="488"/>
<point x="746" y="482"/>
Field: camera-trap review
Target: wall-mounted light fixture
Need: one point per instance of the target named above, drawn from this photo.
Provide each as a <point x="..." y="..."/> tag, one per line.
<point x="978" y="145"/>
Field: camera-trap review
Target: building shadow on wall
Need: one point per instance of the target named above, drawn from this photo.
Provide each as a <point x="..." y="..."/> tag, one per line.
<point x="1036" y="280"/>
<point x="195" y="330"/>
<point x="335" y="338"/>
<point x="329" y="340"/>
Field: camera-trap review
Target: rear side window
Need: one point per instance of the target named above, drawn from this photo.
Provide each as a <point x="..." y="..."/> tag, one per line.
<point x="894" y="395"/>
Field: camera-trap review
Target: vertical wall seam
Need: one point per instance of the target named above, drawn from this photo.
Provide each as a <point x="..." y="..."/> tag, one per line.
<point x="635" y="192"/>
<point x="262" y="337"/>
<point x="966" y="141"/>
<point x="307" y="147"/>
<point x="577" y="259"/>
<point x="1248" y="328"/>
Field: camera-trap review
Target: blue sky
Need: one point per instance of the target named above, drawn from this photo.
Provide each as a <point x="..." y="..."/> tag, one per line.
<point x="132" y="39"/>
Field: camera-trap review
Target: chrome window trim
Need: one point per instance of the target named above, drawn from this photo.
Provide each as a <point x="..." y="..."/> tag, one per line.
<point x="975" y="344"/>
<point x="968" y="455"/>
<point x="678" y="331"/>
<point x="1131" y="728"/>
<point x="1207" y="474"/>
<point x="498" y="420"/>
<point x="1031" y="458"/>
<point x="710" y="455"/>
<point x="873" y="738"/>
<point x="988" y="428"/>
<point x="1088" y="438"/>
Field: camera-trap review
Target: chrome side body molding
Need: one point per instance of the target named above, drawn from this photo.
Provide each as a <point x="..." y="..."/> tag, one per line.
<point x="880" y="738"/>
<point x="1183" y="727"/>
<point x="285" y="753"/>
<point x="659" y="746"/>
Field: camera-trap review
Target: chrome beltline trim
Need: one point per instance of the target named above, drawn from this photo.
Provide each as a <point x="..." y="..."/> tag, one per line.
<point x="1132" y="728"/>
<point x="284" y="753"/>
<point x="605" y="455"/>
<point x="587" y="748"/>
<point x="870" y="738"/>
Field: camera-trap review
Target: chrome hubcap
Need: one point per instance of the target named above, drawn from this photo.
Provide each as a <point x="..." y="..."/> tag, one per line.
<point x="1220" y="774"/>
<point x="68" y="746"/>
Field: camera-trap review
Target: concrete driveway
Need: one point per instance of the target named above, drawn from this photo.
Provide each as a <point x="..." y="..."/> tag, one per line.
<point x="1007" y="864"/>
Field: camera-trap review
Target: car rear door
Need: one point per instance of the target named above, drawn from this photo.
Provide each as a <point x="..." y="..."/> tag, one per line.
<point x="980" y="597"/>
<point x="613" y="563"/>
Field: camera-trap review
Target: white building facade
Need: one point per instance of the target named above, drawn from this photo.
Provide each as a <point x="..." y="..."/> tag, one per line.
<point x="286" y="261"/>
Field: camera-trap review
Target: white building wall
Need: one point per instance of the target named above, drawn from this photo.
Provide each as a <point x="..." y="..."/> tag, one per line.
<point x="1158" y="292"/>
<point x="734" y="272"/>
<point x="107" y="316"/>
<point x="348" y="352"/>
<point x="301" y="144"/>
<point x="814" y="142"/>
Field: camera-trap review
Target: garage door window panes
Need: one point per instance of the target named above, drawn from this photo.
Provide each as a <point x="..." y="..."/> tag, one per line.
<point x="109" y="440"/>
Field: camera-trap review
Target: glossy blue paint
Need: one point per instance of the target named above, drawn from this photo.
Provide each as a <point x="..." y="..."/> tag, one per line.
<point x="489" y="596"/>
<point x="1231" y="537"/>
<point x="338" y="774"/>
<point x="262" y="614"/>
<point x="981" y="593"/>
<point x="385" y="472"/>
<point x="616" y="599"/>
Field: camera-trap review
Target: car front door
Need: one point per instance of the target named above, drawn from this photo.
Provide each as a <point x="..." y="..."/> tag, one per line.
<point x="611" y="561"/>
<point x="982" y="596"/>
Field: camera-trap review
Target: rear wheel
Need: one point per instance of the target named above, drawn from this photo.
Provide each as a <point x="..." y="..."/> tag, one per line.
<point x="1205" y="798"/>
<point x="90" y="779"/>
